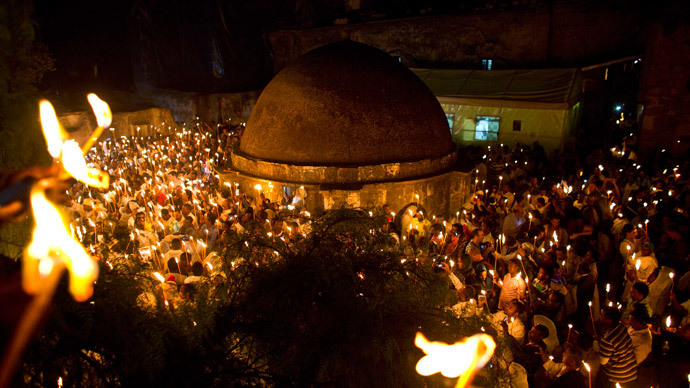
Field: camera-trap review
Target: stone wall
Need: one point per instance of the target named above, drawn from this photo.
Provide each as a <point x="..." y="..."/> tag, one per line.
<point x="666" y="85"/>
<point x="211" y="108"/>
<point x="567" y="35"/>
<point x="441" y="195"/>
<point x="80" y="125"/>
<point x="219" y="107"/>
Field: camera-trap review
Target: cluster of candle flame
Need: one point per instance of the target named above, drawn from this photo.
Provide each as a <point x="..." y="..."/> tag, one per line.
<point x="52" y="246"/>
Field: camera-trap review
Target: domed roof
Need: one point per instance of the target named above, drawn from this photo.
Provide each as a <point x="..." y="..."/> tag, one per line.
<point x="346" y="104"/>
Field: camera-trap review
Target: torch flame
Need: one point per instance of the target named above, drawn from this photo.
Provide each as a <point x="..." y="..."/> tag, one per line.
<point x="460" y="359"/>
<point x="52" y="242"/>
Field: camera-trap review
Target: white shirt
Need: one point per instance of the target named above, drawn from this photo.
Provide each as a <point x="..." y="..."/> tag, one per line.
<point x="513" y="288"/>
<point x="516" y="328"/>
<point x="642" y="343"/>
<point x="465" y="309"/>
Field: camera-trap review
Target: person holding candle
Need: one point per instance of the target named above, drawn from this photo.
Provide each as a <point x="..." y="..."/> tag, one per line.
<point x="660" y="286"/>
<point x="637" y="299"/>
<point x="640" y="334"/>
<point x="616" y="351"/>
<point x="568" y="374"/>
<point x="514" y="222"/>
<point x="555" y="231"/>
<point x="513" y="286"/>
<point x="507" y="321"/>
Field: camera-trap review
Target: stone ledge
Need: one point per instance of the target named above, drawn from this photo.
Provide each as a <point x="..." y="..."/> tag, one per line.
<point x="386" y="172"/>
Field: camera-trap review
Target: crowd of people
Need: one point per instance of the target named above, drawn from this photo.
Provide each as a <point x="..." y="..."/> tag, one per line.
<point x="580" y="262"/>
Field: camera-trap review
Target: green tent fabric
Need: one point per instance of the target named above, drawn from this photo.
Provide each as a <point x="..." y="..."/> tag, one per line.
<point x="560" y="86"/>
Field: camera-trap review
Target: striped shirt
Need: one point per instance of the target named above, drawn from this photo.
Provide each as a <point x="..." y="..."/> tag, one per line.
<point x="617" y="347"/>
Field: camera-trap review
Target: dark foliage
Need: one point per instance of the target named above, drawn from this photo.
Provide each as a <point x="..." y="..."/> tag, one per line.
<point x="338" y="308"/>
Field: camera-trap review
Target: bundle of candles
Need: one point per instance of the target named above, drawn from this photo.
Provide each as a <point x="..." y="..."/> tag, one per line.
<point x="52" y="249"/>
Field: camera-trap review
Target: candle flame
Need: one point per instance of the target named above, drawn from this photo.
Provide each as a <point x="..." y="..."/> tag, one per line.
<point x="555" y="236"/>
<point x="461" y="359"/>
<point x="51" y="128"/>
<point x="668" y="321"/>
<point x="52" y="242"/>
<point x="100" y="108"/>
<point x="257" y="187"/>
<point x="159" y="277"/>
<point x="671" y="274"/>
<point x="589" y="370"/>
<point x="71" y="155"/>
<point x="638" y="264"/>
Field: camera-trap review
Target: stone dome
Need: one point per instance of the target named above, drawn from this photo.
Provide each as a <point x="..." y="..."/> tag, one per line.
<point x="346" y="104"/>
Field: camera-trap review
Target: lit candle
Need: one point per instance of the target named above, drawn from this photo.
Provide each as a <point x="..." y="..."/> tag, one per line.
<point x="103" y="116"/>
<point x="461" y="359"/>
<point x="589" y="373"/>
<point x="570" y="328"/>
<point x="591" y="316"/>
<point x="162" y="280"/>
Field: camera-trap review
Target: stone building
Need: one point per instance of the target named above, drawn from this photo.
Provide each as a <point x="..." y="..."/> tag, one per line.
<point x="351" y="126"/>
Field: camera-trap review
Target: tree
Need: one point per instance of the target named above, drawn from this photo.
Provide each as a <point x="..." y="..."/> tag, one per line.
<point x="338" y="308"/>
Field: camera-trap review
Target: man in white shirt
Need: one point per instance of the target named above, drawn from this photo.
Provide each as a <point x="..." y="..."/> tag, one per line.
<point x="507" y="321"/>
<point x="640" y="334"/>
<point x="513" y="286"/>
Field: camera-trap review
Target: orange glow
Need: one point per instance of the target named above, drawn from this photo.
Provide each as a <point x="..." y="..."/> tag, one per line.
<point x="52" y="244"/>
<point x="51" y="129"/>
<point x="461" y="359"/>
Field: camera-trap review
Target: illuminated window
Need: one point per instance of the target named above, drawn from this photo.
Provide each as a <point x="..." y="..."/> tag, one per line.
<point x="486" y="128"/>
<point x="451" y="118"/>
<point x="487" y="64"/>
